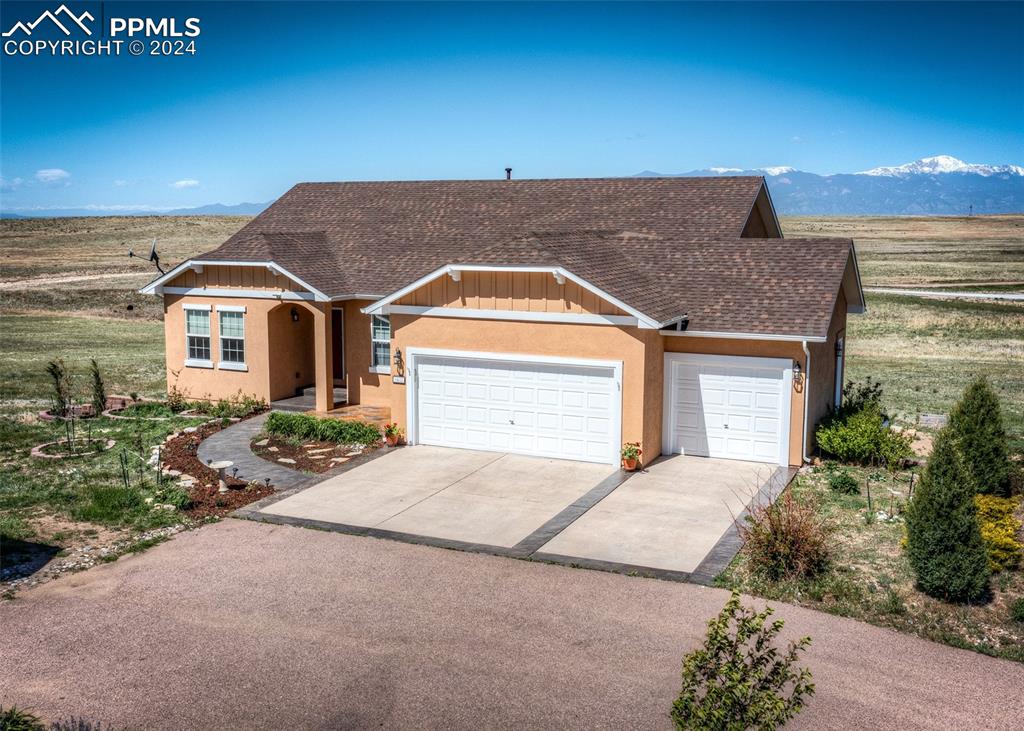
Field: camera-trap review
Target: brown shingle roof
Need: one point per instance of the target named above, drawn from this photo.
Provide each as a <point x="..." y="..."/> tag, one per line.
<point x="663" y="246"/>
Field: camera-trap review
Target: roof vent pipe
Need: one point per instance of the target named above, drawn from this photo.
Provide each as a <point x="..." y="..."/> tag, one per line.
<point x="508" y="173"/>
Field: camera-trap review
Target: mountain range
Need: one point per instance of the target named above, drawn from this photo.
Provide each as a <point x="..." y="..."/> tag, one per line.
<point x="214" y="209"/>
<point x="940" y="185"/>
<point x="937" y="186"/>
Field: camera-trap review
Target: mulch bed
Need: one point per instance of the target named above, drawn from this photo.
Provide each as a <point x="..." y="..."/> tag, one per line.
<point x="206" y="499"/>
<point x="311" y="456"/>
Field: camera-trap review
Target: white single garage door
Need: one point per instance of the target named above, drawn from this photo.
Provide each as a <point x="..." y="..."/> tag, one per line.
<point x="727" y="407"/>
<point x="542" y="407"/>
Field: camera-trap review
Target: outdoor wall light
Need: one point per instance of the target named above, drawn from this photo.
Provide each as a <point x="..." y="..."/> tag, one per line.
<point x="398" y="361"/>
<point x="797" y="372"/>
<point x="295" y="315"/>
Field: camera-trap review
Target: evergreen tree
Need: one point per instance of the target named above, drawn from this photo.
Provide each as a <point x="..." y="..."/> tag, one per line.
<point x="944" y="541"/>
<point x="977" y="425"/>
<point x="99" y="392"/>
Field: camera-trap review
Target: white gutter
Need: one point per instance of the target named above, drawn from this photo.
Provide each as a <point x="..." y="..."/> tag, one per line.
<point x="807" y="398"/>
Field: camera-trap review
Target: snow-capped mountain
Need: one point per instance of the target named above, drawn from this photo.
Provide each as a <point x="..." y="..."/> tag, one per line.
<point x="943" y="164"/>
<point x="940" y="185"/>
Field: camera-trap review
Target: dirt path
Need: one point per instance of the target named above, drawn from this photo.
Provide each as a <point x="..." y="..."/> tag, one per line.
<point x="945" y="294"/>
<point x="40" y="282"/>
<point x="243" y="625"/>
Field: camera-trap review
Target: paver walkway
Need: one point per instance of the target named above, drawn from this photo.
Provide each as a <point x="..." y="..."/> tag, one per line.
<point x="244" y="625"/>
<point x="233" y="444"/>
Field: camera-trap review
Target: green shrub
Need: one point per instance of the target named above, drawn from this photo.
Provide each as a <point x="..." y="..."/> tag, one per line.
<point x="862" y="437"/>
<point x="944" y="542"/>
<point x="739" y="679"/>
<point x="1000" y="530"/>
<point x="787" y="538"/>
<point x="859" y="396"/>
<point x="238" y="406"/>
<point x="305" y="426"/>
<point x="15" y="719"/>
<point x="172" y="496"/>
<point x="843" y="482"/>
<point x="977" y="426"/>
<point x="1017" y="610"/>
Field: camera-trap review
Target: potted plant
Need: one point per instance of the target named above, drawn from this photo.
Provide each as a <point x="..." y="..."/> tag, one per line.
<point x="631" y="455"/>
<point x="393" y="433"/>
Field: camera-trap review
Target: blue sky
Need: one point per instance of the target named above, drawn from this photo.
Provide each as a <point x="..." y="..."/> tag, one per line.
<point x="285" y="92"/>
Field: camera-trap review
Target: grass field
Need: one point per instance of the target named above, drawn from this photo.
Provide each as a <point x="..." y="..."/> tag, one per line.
<point x="926" y="251"/>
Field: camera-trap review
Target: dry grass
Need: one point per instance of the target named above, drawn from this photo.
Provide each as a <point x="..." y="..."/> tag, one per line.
<point x="40" y="247"/>
<point x="919" y="251"/>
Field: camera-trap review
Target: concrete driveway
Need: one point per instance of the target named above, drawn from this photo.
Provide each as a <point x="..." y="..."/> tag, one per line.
<point x="459" y="495"/>
<point x="668" y="517"/>
<point x="242" y="625"/>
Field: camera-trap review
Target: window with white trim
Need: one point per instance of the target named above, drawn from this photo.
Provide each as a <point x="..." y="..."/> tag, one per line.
<point x="197" y="335"/>
<point x="232" y="337"/>
<point x="380" y="337"/>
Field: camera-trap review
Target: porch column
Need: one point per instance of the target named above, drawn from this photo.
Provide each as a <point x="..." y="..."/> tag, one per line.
<point x="324" y="354"/>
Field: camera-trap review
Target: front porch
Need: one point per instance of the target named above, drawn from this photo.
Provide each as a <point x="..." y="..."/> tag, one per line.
<point x="306" y="403"/>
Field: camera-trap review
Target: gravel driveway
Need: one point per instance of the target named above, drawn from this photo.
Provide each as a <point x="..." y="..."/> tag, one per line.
<point x="246" y="625"/>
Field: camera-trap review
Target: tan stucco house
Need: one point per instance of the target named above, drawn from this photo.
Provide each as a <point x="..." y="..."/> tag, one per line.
<point x="557" y="318"/>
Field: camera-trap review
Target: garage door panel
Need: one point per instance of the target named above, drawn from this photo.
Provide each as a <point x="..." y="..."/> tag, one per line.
<point x="476" y="391"/>
<point x="730" y="410"/>
<point x="741" y="399"/>
<point x="555" y="410"/>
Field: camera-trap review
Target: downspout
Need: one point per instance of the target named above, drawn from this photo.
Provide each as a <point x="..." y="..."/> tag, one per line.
<point x="807" y="398"/>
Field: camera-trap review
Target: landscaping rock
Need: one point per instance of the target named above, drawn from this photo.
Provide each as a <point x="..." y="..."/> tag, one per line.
<point x="262" y="442"/>
<point x="190" y="430"/>
<point x="354" y="453"/>
<point x="272" y="449"/>
<point x="172" y="473"/>
<point x="319" y="451"/>
<point x="285" y="460"/>
<point x="339" y="460"/>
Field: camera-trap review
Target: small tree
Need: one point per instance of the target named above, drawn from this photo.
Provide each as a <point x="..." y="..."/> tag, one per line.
<point x="99" y="393"/>
<point x="58" y="373"/>
<point x="739" y="679"/>
<point x="977" y="426"/>
<point x="944" y="542"/>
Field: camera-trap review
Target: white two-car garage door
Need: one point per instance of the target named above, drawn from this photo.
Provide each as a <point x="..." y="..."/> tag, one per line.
<point x="538" y="406"/>
<point x="728" y="407"/>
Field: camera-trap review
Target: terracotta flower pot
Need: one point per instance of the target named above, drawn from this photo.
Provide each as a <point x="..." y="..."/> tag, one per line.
<point x="629" y="464"/>
<point x="391" y="440"/>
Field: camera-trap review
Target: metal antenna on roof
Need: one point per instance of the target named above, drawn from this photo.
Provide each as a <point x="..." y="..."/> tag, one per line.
<point x="508" y="173"/>
<point x="153" y="257"/>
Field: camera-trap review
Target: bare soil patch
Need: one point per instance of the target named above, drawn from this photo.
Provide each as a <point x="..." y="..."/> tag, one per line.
<point x="310" y="456"/>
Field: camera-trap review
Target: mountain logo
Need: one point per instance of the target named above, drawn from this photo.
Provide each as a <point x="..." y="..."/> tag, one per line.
<point x="55" y="17"/>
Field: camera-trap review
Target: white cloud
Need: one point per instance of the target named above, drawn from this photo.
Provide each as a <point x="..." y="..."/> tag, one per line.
<point x="52" y="175"/>
<point x="186" y="183"/>
<point x="796" y="139"/>
<point x="120" y="183"/>
<point x="13" y="184"/>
